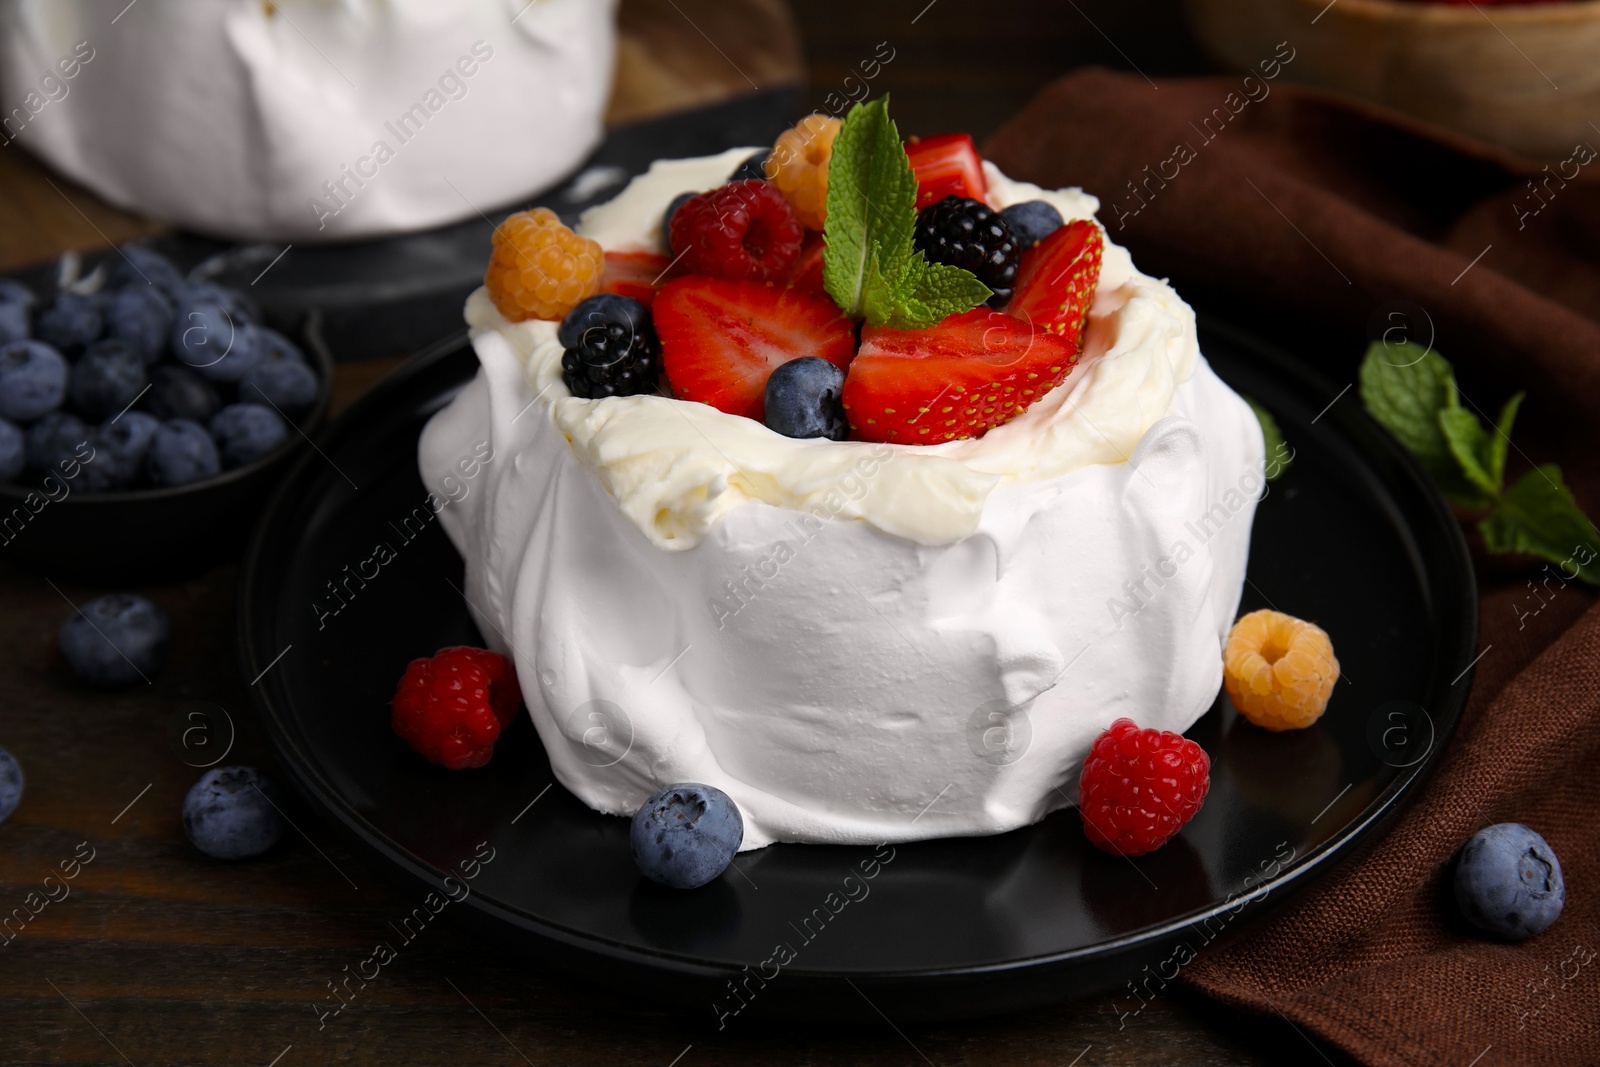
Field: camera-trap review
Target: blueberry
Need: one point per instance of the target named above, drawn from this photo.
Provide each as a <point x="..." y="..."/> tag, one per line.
<point x="13" y="451"/>
<point x="69" y="323"/>
<point x="666" y="220"/>
<point x="290" y="387"/>
<point x="276" y="348"/>
<point x="138" y="265"/>
<point x="14" y="324"/>
<point x="16" y="311"/>
<point x="1508" y="881"/>
<point x="142" y="316"/>
<point x="104" y="298"/>
<point x="10" y="784"/>
<point x="176" y="392"/>
<point x="1031" y="222"/>
<point x="108" y="378"/>
<point x="246" y="432"/>
<point x="753" y="168"/>
<point x="231" y="813"/>
<point x="686" y="835"/>
<point x="602" y="309"/>
<point x="33" y="380"/>
<point x="56" y="441"/>
<point x="803" y="399"/>
<point x="14" y="292"/>
<point x="238" y="306"/>
<point x="207" y="337"/>
<point x="121" y="447"/>
<point x="181" y="452"/>
<point x="116" y="639"/>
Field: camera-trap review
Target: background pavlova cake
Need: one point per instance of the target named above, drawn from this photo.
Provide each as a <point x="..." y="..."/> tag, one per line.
<point x="857" y="640"/>
<point x="307" y="119"/>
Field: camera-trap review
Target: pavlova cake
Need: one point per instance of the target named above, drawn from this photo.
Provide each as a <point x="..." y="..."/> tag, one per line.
<point x="850" y="482"/>
<point x="307" y="119"/>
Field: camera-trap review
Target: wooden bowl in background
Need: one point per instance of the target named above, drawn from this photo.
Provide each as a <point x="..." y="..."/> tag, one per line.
<point x="1523" y="77"/>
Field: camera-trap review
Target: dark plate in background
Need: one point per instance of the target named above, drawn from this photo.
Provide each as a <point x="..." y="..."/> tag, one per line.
<point x="394" y="295"/>
<point x="1352" y="537"/>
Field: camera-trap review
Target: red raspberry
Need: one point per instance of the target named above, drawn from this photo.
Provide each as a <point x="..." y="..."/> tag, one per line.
<point x="1139" y="788"/>
<point x="452" y="707"/>
<point x="742" y="231"/>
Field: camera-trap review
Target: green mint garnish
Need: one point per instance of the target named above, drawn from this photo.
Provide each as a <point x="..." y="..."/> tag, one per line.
<point x="1406" y="387"/>
<point x="1538" y="517"/>
<point x="870" y="267"/>
<point x="1412" y="392"/>
<point x="1279" y="454"/>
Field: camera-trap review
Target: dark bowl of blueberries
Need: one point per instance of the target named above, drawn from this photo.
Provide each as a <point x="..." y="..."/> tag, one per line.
<point x="144" y="417"/>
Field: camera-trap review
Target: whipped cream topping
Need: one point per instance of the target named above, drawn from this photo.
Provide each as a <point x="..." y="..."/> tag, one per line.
<point x="308" y="119"/>
<point x="677" y="469"/>
<point x="857" y="642"/>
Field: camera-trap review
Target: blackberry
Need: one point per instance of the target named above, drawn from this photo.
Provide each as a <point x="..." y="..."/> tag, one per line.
<point x="613" y="357"/>
<point x="967" y="234"/>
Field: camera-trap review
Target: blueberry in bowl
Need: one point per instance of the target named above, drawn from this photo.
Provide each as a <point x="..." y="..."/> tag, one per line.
<point x="144" y="419"/>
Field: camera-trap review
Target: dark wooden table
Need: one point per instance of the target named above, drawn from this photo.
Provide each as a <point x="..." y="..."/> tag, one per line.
<point x="159" y="955"/>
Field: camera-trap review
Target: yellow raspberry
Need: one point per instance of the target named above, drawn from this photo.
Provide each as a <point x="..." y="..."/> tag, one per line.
<point x="1279" y="670"/>
<point x="540" y="269"/>
<point x="798" y="166"/>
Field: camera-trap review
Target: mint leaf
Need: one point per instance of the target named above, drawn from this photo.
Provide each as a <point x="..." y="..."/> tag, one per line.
<point x="870" y="266"/>
<point x="1406" y="388"/>
<point x="1502" y="440"/>
<point x="1470" y="445"/>
<point x="1406" y="395"/>
<point x="1414" y="396"/>
<point x="1279" y="455"/>
<point x="872" y="200"/>
<point x="925" y="293"/>
<point x="878" y="301"/>
<point x="1480" y="453"/>
<point x="1539" y="517"/>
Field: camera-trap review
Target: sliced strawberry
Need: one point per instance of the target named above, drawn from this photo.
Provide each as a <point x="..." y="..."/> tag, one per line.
<point x="1056" y="280"/>
<point x="635" y="274"/>
<point x="946" y="164"/>
<point x="806" y="274"/>
<point x="721" y="339"/>
<point x="960" y="378"/>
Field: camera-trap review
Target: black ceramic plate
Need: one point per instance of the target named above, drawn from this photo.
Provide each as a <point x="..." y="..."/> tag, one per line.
<point x="1352" y="537"/>
<point x="377" y="297"/>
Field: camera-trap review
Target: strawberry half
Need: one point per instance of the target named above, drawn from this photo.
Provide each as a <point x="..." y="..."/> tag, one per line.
<point x="1056" y="280"/>
<point x="806" y="274"/>
<point x="721" y="339"/>
<point x="634" y="274"/>
<point x="958" y="379"/>
<point x="946" y="164"/>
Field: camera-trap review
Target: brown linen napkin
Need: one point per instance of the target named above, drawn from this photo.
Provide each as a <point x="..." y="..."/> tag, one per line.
<point x="1296" y="204"/>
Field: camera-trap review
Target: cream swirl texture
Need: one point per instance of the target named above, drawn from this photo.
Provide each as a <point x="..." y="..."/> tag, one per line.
<point x="676" y="469"/>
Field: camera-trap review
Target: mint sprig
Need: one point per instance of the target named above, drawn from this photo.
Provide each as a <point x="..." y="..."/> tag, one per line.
<point x="870" y="267"/>
<point x="1279" y="456"/>
<point x="1412" y="391"/>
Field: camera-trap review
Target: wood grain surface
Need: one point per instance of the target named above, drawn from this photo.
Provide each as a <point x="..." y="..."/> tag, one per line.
<point x="158" y="955"/>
